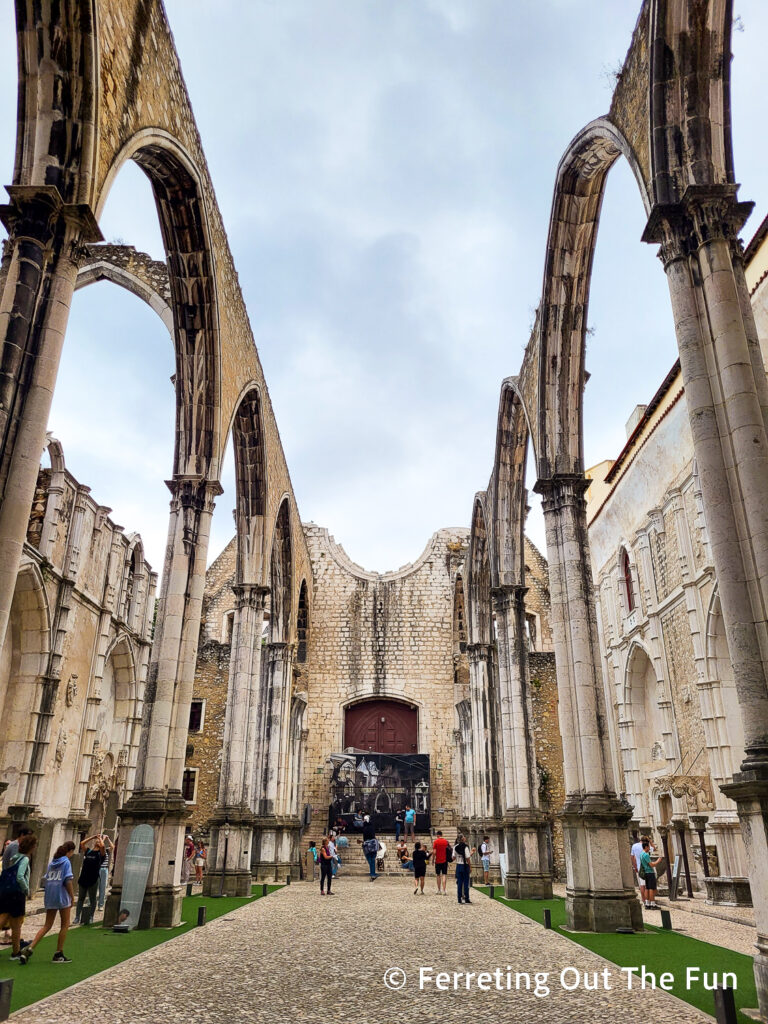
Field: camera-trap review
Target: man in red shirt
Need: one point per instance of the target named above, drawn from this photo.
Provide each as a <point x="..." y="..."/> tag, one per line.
<point x="440" y="849"/>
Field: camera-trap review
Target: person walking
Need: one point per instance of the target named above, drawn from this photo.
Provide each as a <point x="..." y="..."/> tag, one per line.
<point x="370" y="846"/>
<point x="441" y="851"/>
<point x="94" y="857"/>
<point x="462" y="854"/>
<point x="187" y="854"/>
<point x="398" y="825"/>
<point x="58" y="897"/>
<point x="14" y="889"/>
<point x="420" y="858"/>
<point x="326" y="867"/>
<point x="201" y="856"/>
<point x="109" y="847"/>
<point x="485" y="858"/>
<point x="410" y="822"/>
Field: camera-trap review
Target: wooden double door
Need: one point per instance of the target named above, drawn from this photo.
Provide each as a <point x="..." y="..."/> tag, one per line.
<point x="382" y="726"/>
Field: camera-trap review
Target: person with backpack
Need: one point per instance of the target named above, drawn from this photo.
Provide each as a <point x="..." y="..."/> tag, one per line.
<point x="370" y="846"/>
<point x="14" y="889"/>
<point x="442" y="855"/>
<point x="326" y="867"/>
<point x="462" y="855"/>
<point x="59" y="894"/>
<point x="485" y="858"/>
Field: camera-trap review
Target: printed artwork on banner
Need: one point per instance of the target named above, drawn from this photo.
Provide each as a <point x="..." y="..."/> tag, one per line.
<point x="379" y="785"/>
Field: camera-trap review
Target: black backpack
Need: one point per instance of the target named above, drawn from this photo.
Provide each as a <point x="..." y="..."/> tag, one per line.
<point x="449" y="854"/>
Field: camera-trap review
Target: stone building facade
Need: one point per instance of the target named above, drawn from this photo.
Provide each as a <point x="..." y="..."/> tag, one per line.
<point x="676" y="726"/>
<point x="73" y="666"/>
<point x="392" y="642"/>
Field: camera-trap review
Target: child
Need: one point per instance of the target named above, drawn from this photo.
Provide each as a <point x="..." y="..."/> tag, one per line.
<point x="646" y="866"/>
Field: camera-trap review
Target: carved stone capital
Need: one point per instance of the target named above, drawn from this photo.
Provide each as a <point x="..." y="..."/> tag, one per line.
<point x="250" y="595"/>
<point x="192" y="495"/>
<point x="39" y="214"/>
<point x="509" y="597"/>
<point x="705" y="213"/>
<point x="563" y="490"/>
<point x="479" y="652"/>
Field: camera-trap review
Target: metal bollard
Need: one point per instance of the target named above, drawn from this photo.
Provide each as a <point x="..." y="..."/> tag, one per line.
<point x="725" y="1006"/>
<point x="547" y="918"/>
<point x="492" y="891"/>
<point x="201" y="912"/>
<point x="287" y="879"/>
<point x="189" y="888"/>
<point x="6" y="988"/>
<point x="264" y="889"/>
<point x="666" y="920"/>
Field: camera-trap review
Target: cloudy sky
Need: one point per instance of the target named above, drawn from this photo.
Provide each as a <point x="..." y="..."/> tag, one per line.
<point x="385" y="173"/>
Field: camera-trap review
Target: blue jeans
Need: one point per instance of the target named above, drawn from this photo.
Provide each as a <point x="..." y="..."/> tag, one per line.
<point x="462" y="881"/>
<point x="398" y="830"/>
<point x="371" y="858"/>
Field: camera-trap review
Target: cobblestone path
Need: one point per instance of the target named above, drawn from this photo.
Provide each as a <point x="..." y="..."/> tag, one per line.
<point x="296" y="956"/>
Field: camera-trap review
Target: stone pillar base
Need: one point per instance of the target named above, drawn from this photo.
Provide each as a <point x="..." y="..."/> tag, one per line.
<point x="750" y="791"/>
<point x="526" y="840"/>
<point x="229" y="883"/>
<point x="725" y="891"/>
<point x="600" y="894"/>
<point x="167" y="813"/>
<point x="275" y="850"/>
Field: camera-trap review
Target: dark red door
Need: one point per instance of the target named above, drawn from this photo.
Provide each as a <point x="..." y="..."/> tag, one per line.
<point x="382" y="726"/>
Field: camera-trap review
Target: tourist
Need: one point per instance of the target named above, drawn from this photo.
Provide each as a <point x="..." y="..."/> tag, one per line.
<point x="646" y="866"/>
<point x="14" y="889"/>
<point x="370" y="845"/>
<point x="462" y="855"/>
<point x="485" y="858"/>
<point x="441" y="851"/>
<point x="402" y="855"/>
<point x="636" y="853"/>
<point x="109" y="847"/>
<point x="335" y="862"/>
<point x="398" y="825"/>
<point x="59" y="893"/>
<point x="186" y="858"/>
<point x="420" y="858"/>
<point x="88" y="881"/>
<point x="11" y="847"/>
<point x="326" y="867"/>
<point x="410" y="821"/>
<point x="201" y="856"/>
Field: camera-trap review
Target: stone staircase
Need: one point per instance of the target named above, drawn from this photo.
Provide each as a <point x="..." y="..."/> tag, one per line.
<point x="353" y="859"/>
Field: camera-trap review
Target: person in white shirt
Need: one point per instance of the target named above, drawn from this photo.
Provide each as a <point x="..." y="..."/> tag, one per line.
<point x="485" y="852"/>
<point x="636" y="853"/>
<point x="462" y="854"/>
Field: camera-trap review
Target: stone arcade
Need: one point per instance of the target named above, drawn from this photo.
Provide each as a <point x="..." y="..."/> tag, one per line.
<point x="99" y="84"/>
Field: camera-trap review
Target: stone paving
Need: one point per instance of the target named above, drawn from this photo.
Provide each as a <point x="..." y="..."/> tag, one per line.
<point x="296" y="956"/>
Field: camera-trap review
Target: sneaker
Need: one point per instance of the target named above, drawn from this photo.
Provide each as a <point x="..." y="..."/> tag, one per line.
<point x="460" y="901"/>
<point x="60" y="958"/>
<point x="23" y="944"/>
<point x="331" y="893"/>
<point x="16" y="956"/>
<point x="415" y="891"/>
<point x="25" y="954"/>
<point x="468" y="901"/>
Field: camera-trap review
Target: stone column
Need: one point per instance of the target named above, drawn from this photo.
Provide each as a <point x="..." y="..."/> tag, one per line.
<point x="600" y="894"/>
<point x="525" y="825"/>
<point x="234" y="807"/>
<point x="44" y="248"/>
<point x="157" y="798"/>
<point x="485" y="787"/>
<point x="727" y="399"/>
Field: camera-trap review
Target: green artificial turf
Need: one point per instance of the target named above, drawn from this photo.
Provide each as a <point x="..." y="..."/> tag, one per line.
<point x="660" y="951"/>
<point x="94" y="949"/>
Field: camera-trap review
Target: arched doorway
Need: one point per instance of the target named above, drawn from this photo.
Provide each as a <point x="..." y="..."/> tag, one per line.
<point x="382" y="727"/>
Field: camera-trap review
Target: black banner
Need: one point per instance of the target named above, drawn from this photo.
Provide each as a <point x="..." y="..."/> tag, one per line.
<point x="379" y="785"/>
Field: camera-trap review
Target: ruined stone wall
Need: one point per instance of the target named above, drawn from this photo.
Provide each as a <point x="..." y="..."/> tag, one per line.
<point x="387" y="636"/>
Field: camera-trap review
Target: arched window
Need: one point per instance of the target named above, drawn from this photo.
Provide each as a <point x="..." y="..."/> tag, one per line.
<point x="302" y="624"/>
<point x="626" y="577"/>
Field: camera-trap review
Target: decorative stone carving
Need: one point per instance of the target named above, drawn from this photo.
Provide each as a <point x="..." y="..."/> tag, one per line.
<point x="71" y="691"/>
<point x="61" y="749"/>
<point x="696" y="789"/>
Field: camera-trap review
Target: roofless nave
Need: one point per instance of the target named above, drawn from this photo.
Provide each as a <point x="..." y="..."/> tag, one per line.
<point x="100" y="84"/>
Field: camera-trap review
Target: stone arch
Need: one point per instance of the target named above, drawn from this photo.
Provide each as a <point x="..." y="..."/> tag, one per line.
<point x="251" y="485"/>
<point x="302" y="624"/>
<point x="23" y="662"/>
<point x="281" y="576"/>
<point x="133" y="589"/>
<point x="642" y="728"/>
<point x="119" y="689"/>
<point x="721" y="715"/>
<point x="509" y="492"/>
<point x="177" y="186"/>
<point x="137" y="272"/>
<point x="578" y="197"/>
<point x="478" y="591"/>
